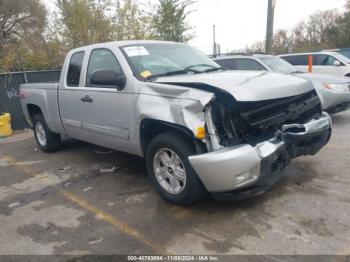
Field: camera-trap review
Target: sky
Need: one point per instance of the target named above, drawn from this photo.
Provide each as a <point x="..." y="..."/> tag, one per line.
<point x="241" y="23"/>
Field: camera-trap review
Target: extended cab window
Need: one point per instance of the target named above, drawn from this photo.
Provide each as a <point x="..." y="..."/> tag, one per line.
<point x="102" y="59"/>
<point x="74" y="69"/>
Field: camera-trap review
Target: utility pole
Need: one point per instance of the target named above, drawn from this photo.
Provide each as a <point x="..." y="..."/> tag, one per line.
<point x="269" y="26"/>
<point x="214" y="42"/>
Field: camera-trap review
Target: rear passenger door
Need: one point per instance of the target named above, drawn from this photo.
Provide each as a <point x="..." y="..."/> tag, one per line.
<point x="71" y="110"/>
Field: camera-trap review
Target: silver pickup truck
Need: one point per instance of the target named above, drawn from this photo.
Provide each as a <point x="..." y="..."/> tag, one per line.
<point x="200" y="128"/>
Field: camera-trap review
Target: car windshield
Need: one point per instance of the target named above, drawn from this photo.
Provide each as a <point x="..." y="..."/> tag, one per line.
<point x="345" y="53"/>
<point x="279" y="65"/>
<point x="341" y="57"/>
<point x="161" y="59"/>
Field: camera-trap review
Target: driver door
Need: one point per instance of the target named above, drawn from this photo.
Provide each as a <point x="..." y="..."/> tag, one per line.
<point x="107" y="111"/>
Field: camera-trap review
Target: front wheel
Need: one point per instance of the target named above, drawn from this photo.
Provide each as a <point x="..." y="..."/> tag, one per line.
<point x="170" y="170"/>
<point x="47" y="140"/>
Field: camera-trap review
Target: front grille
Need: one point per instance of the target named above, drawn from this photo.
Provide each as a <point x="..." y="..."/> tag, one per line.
<point x="267" y="115"/>
<point x="252" y="122"/>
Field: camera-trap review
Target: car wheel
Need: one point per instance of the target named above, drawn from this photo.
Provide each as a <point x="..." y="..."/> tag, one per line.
<point x="47" y="140"/>
<point x="170" y="170"/>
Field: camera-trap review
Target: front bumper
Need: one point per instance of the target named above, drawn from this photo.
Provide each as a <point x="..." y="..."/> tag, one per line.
<point x="249" y="170"/>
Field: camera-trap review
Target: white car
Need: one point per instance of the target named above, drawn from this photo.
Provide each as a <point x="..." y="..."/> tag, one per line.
<point x="327" y="63"/>
<point x="334" y="92"/>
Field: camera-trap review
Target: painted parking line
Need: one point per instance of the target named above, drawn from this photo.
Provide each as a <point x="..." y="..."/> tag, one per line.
<point x="117" y="223"/>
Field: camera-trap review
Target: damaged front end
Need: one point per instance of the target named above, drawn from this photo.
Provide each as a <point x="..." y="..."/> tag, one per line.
<point x="250" y="143"/>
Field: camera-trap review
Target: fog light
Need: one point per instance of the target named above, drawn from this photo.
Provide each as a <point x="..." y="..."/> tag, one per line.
<point x="247" y="177"/>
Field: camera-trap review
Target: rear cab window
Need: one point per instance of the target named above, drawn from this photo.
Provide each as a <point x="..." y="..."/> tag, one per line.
<point x="74" y="69"/>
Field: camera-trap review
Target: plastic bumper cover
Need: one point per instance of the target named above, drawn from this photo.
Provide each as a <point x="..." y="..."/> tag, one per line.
<point x="334" y="102"/>
<point x="249" y="170"/>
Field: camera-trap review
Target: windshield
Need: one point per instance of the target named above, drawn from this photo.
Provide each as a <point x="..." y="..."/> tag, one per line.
<point x="341" y="57"/>
<point x="279" y="65"/>
<point x="345" y="53"/>
<point x="151" y="60"/>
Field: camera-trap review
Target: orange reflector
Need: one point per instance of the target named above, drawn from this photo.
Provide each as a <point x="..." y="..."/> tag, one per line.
<point x="201" y="133"/>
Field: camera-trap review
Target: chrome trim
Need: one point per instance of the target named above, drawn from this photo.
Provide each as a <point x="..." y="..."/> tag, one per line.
<point x="214" y="139"/>
<point x="71" y="123"/>
<point x="316" y="125"/>
<point x="117" y="132"/>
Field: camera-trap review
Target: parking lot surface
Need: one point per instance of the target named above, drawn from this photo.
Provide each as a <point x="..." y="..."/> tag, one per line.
<point x="89" y="200"/>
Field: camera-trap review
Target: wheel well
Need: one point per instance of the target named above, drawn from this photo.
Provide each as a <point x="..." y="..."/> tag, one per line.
<point x="348" y="75"/>
<point x="150" y="128"/>
<point x="33" y="110"/>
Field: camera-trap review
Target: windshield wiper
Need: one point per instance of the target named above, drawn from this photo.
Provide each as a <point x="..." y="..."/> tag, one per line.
<point x="171" y="73"/>
<point x="214" y="69"/>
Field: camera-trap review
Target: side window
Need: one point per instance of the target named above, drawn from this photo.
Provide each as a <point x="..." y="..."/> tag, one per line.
<point x="301" y="60"/>
<point x="320" y="59"/>
<point x="248" y="64"/>
<point x="326" y="60"/>
<point x="74" y="69"/>
<point x="102" y="59"/>
<point x="229" y="64"/>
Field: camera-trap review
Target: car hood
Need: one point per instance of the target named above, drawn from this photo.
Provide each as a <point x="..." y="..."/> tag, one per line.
<point x="324" y="78"/>
<point x="245" y="85"/>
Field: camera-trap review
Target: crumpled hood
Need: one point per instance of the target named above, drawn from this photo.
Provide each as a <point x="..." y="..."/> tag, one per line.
<point x="246" y="85"/>
<point x="324" y="78"/>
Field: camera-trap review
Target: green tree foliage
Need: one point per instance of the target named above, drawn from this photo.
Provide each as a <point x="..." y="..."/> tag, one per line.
<point x="169" y="20"/>
<point x="22" y="35"/>
<point x="130" y="23"/>
<point x="84" y="22"/>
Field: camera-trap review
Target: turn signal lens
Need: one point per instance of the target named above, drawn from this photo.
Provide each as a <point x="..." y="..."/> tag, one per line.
<point x="201" y="133"/>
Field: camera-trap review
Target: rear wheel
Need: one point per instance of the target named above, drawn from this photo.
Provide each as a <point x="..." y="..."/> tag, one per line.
<point x="47" y="140"/>
<point x="170" y="170"/>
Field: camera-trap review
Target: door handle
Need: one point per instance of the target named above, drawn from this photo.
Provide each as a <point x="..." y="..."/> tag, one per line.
<point x="86" y="98"/>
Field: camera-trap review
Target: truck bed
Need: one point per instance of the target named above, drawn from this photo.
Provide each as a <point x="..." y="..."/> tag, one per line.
<point x="45" y="96"/>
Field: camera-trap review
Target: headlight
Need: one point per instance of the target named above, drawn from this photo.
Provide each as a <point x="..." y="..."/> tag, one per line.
<point x="337" y="87"/>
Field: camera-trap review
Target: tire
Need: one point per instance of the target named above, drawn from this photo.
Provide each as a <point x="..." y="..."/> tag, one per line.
<point x="46" y="140"/>
<point x="189" y="190"/>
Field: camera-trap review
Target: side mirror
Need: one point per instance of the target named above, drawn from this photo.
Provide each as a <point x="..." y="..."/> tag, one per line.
<point x="108" y="78"/>
<point x="337" y="63"/>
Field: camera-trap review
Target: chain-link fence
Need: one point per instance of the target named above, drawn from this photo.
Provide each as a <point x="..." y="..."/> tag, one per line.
<point x="9" y="92"/>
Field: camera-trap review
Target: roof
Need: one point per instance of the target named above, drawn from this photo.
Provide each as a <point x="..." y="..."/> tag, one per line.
<point x="309" y="53"/>
<point x="223" y="57"/>
<point x="124" y="43"/>
<point x="257" y="56"/>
